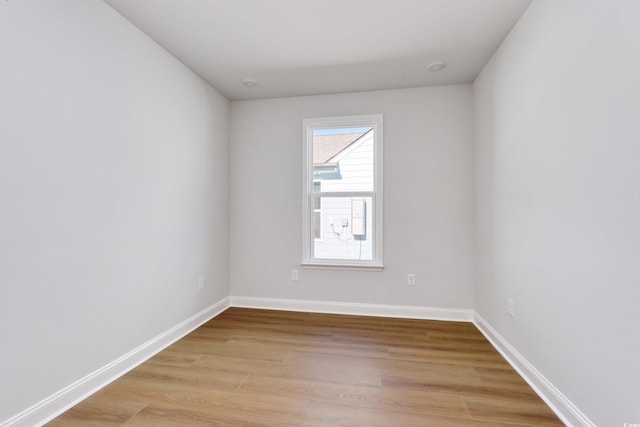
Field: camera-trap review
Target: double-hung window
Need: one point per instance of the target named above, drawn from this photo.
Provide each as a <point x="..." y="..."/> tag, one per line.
<point x="342" y="192"/>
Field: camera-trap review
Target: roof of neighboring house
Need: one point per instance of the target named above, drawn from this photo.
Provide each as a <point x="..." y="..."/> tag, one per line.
<point x="326" y="147"/>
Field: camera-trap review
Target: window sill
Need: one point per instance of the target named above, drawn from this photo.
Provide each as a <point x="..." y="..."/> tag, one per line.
<point x="329" y="266"/>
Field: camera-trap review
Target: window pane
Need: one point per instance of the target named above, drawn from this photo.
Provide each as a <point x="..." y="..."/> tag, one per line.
<point x="343" y="159"/>
<point x="342" y="191"/>
<point x="346" y="228"/>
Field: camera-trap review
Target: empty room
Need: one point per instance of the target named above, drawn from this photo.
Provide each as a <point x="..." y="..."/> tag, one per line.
<point x="320" y="213"/>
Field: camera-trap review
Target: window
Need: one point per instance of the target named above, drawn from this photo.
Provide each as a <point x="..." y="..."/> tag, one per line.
<point x="342" y="192"/>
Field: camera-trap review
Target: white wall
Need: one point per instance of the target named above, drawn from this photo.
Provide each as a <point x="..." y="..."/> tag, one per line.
<point x="113" y="193"/>
<point x="557" y="169"/>
<point x="427" y="197"/>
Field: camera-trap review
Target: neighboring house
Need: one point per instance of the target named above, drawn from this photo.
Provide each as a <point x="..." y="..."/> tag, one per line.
<point x="343" y="163"/>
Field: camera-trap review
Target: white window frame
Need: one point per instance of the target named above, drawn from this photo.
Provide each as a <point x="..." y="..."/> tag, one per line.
<point x="308" y="125"/>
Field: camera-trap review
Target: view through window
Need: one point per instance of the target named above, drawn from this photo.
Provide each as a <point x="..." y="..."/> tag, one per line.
<point x="343" y="191"/>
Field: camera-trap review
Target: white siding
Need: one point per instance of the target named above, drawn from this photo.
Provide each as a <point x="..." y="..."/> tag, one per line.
<point x="356" y="169"/>
<point x="345" y="246"/>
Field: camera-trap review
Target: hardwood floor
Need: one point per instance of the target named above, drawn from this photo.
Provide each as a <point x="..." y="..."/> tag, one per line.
<point x="272" y="368"/>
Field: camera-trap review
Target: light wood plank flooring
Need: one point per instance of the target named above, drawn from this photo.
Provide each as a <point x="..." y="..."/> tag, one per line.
<point x="272" y="368"/>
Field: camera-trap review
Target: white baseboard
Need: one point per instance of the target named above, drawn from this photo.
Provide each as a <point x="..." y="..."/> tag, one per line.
<point x="69" y="396"/>
<point x="563" y="407"/>
<point x="379" y="310"/>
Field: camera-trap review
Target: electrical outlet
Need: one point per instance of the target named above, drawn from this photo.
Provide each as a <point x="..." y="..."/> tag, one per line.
<point x="411" y="279"/>
<point x="294" y="275"/>
<point x="510" y="307"/>
<point x="200" y="283"/>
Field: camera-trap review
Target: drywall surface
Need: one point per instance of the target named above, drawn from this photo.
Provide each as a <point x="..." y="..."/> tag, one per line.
<point x="427" y="199"/>
<point x="557" y="169"/>
<point x="113" y="193"/>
